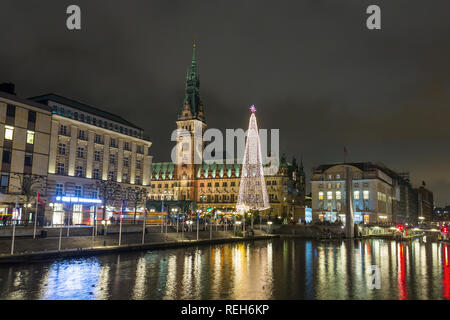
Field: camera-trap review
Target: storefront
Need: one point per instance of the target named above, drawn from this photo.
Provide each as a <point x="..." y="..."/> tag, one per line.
<point x="75" y="210"/>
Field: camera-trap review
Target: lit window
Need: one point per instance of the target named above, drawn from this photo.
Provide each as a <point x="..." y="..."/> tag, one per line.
<point x="60" y="168"/>
<point x="9" y="132"/>
<point x="63" y="130"/>
<point x="30" y="137"/>
<point x="338" y="195"/>
<point x="329" y="195"/>
<point x="59" y="189"/>
<point x="80" y="152"/>
<point x="338" y="176"/>
<point x="366" y="194"/>
<point x="320" y="195"/>
<point x="62" y="148"/>
<point x="356" y="195"/>
<point x="82" y="134"/>
<point x="96" y="174"/>
<point x="77" y="191"/>
<point x="79" y="171"/>
<point x="28" y="159"/>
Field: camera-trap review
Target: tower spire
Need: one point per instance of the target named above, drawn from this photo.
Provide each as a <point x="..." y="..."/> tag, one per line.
<point x="194" y="57"/>
<point x="192" y="104"/>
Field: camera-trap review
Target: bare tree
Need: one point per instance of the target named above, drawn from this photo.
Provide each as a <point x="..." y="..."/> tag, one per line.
<point x="137" y="196"/>
<point x="30" y="184"/>
<point x="109" y="191"/>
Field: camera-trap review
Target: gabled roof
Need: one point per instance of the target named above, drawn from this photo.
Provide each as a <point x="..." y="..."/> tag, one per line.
<point x="82" y="107"/>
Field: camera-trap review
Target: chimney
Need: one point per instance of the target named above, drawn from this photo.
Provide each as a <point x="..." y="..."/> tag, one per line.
<point x="8" y="87"/>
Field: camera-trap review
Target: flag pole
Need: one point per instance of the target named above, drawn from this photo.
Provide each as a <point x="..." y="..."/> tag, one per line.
<point x="35" y="217"/>
<point x="120" y="218"/>
<point x="197" y="223"/>
<point x="14" y="226"/>
<point x="143" y="225"/>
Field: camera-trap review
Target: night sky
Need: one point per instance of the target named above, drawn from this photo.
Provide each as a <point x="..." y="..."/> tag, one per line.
<point x="311" y="67"/>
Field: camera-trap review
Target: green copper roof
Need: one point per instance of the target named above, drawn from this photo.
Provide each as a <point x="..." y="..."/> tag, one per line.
<point x="192" y="88"/>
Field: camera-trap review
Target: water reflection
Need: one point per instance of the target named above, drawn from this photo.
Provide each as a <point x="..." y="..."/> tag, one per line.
<point x="278" y="269"/>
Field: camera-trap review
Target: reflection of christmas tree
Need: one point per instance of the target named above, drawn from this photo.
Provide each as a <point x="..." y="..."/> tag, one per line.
<point x="252" y="191"/>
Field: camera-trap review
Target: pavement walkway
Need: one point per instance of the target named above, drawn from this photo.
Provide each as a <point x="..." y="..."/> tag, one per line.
<point x="29" y="245"/>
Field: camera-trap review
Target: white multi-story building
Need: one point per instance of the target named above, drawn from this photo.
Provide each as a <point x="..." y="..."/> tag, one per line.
<point x="373" y="192"/>
<point x="24" y="147"/>
<point x="88" y="144"/>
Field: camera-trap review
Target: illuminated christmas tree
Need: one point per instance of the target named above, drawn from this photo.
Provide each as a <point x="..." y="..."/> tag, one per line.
<point x="252" y="191"/>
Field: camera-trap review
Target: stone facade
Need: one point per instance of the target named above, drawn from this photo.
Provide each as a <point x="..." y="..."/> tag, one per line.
<point x="88" y="144"/>
<point x="25" y="128"/>
<point x="380" y="195"/>
<point x="217" y="184"/>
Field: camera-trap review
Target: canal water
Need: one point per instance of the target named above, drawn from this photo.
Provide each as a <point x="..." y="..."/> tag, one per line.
<point x="269" y="269"/>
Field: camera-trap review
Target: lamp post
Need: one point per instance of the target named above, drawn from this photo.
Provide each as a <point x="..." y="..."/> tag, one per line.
<point x="182" y="228"/>
<point x="238" y="223"/>
<point x="178" y="217"/>
<point x="210" y="226"/>
<point x="162" y="211"/>
<point x="145" y="218"/>
<point x="198" y="218"/>
<point x="35" y="218"/>
<point x="94" y="224"/>
<point x="60" y="236"/>
<point x="269" y="223"/>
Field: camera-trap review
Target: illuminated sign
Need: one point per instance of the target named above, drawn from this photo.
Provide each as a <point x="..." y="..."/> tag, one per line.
<point x="77" y="200"/>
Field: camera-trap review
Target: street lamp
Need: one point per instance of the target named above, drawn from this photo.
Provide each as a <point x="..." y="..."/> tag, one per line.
<point x="269" y="223"/>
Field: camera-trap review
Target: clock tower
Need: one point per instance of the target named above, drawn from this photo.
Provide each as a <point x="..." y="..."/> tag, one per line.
<point x="191" y="125"/>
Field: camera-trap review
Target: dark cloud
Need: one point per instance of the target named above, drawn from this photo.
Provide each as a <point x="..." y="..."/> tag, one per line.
<point x="310" y="66"/>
